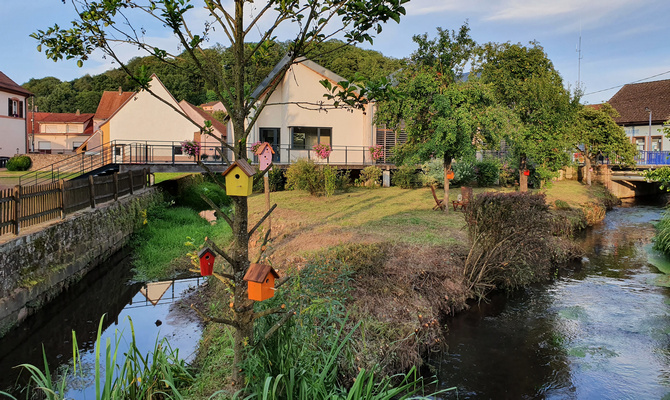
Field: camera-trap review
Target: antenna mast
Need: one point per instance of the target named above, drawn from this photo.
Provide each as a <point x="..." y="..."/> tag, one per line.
<point x="579" y="59"/>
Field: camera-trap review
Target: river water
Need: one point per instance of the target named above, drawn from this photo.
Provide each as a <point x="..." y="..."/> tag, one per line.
<point x="108" y="289"/>
<point x="600" y="331"/>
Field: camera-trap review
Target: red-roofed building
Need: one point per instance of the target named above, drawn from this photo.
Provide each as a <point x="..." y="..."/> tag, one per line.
<point x="213" y="106"/>
<point x="59" y="133"/>
<point x="207" y="143"/>
<point x="13" y="135"/>
<point x="644" y="108"/>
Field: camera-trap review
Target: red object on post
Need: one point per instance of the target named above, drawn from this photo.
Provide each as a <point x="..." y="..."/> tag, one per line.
<point x="260" y="281"/>
<point x="526" y="172"/>
<point x="450" y="175"/>
<point x="207" y="258"/>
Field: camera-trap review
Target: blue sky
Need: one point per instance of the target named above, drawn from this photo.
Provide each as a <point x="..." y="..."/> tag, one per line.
<point x="623" y="41"/>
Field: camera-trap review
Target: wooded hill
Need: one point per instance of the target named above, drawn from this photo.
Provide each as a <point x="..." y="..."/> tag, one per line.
<point x="181" y="78"/>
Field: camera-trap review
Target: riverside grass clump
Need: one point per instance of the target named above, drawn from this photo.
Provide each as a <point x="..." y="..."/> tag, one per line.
<point x="119" y="373"/>
<point x="511" y="242"/>
<point x="662" y="238"/>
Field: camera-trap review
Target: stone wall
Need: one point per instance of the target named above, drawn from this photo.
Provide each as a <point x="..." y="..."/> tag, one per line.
<point x="43" y="160"/>
<point x="37" y="266"/>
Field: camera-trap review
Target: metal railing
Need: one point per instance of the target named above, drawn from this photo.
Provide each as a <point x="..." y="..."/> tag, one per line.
<point x="170" y="153"/>
<point x="653" y="158"/>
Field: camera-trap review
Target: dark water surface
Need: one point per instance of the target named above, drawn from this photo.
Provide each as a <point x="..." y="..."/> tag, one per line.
<point x="106" y="290"/>
<point x="601" y="331"/>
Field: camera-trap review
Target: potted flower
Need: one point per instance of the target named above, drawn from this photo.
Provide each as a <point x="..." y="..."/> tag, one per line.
<point x="377" y="152"/>
<point x="322" y="150"/>
<point x="190" y="148"/>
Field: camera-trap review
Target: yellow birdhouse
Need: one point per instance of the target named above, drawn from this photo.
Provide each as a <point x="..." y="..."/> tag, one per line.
<point x="261" y="281"/>
<point x="239" y="178"/>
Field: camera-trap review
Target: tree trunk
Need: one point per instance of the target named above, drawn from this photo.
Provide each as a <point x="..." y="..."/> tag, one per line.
<point x="587" y="170"/>
<point x="523" y="179"/>
<point x="447" y="168"/>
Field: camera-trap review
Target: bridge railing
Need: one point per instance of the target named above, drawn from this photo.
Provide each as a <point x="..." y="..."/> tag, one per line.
<point x="653" y="158"/>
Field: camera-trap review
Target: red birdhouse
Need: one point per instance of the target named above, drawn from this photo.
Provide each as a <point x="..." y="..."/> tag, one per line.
<point x="261" y="281"/>
<point x="526" y="172"/>
<point x="264" y="153"/>
<point x="207" y="257"/>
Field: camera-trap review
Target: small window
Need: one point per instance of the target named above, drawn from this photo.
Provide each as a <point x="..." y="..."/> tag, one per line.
<point x="44" y="147"/>
<point x="639" y="144"/>
<point x="177" y="150"/>
<point x="75" y="145"/>
<point x="15" y="108"/>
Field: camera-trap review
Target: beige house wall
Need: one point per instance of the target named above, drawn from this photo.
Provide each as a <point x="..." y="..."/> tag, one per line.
<point x="301" y="84"/>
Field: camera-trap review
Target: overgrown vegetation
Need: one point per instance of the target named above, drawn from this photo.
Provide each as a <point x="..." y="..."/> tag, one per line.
<point x="662" y="238"/>
<point x="511" y="241"/>
<point x="159" y="247"/>
<point x="371" y="176"/>
<point x="405" y="177"/>
<point x="317" y="179"/>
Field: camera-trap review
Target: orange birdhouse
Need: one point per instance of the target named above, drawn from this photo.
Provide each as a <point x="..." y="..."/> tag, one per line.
<point x="207" y="258"/>
<point x="261" y="281"/>
<point x="264" y="153"/>
<point x="450" y="175"/>
<point x="239" y="178"/>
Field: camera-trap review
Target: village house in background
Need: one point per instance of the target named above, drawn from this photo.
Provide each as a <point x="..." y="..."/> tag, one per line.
<point x="58" y="133"/>
<point x="213" y="106"/>
<point x="292" y="122"/>
<point x="109" y="103"/>
<point x="13" y="133"/>
<point x="644" y="109"/>
<point x="208" y="144"/>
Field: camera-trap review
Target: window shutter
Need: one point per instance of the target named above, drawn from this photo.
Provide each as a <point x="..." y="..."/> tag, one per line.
<point x="9" y="108"/>
<point x="20" y="109"/>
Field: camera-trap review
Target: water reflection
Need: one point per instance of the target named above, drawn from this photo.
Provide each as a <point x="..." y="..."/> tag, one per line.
<point x="105" y="290"/>
<point x="602" y="331"/>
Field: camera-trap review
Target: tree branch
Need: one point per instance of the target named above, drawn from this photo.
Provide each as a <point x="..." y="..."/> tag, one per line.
<point x="263" y="248"/>
<point x="278" y="325"/>
<point x="267" y="214"/>
<point x="207" y="318"/>
<point x="270" y="311"/>
<point x="217" y="249"/>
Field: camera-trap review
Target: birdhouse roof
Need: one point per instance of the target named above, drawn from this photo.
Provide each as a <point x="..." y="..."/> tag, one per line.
<point x="243" y="165"/>
<point x="262" y="147"/>
<point x="258" y="273"/>
<point x="204" y="251"/>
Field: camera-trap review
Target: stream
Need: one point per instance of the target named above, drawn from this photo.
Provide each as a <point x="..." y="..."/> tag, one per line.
<point x="107" y="290"/>
<point x="599" y="331"/>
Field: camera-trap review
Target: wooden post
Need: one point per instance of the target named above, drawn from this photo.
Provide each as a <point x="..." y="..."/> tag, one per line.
<point x="91" y="190"/>
<point x="145" y="177"/>
<point x="266" y="182"/>
<point x="61" y="197"/>
<point x="116" y="186"/>
<point x="17" y="209"/>
<point x="130" y="180"/>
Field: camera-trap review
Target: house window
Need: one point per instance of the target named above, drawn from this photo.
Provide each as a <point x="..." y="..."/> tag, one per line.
<point x="656" y="143"/>
<point x="388" y="139"/>
<point x="177" y="151"/>
<point x="15" y="108"/>
<point x="44" y="147"/>
<point x="639" y="143"/>
<point x="75" y="145"/>
<point x="305" y="137"/>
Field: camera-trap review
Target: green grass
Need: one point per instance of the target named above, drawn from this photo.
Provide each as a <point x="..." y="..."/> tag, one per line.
<point x="166" y="176"/>
<point x="160" y="246"/>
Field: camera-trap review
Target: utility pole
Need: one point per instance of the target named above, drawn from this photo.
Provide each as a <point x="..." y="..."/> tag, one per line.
<point x="579" y="60"/>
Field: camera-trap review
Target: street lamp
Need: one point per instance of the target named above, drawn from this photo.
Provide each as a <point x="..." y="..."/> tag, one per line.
<point x="647" y="109"/>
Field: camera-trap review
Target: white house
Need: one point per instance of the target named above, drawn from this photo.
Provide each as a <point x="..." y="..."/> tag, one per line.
<point x="292" y="123"/>
<point x="58" y="133"/>
<point x="13" y="134"/>
<point x="143" y="119"/>
<point x="644" y="108"/>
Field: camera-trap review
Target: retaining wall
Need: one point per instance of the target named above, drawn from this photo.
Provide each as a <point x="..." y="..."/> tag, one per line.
<point x="37" y="266"/>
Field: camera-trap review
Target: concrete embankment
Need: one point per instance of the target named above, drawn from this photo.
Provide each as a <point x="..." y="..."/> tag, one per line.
<point x="41" y="263"/>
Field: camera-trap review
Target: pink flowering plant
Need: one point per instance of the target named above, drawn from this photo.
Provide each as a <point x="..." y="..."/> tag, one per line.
<point x="377" y="152"/>
<point x="322" y="150"/>
<point x="190" y="148"/>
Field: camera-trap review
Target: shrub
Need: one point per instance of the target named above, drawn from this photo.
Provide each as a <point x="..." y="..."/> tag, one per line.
<point x="305" y="175"/>
<point x="488" y="172"/>
<point x="464" y="173"/>
<point x="330" y="180"/>
<point x="371" y="175"/>
<point x="433" y="173"/>
<point x="562" y="205"/>
<point x="405" y="177"/>
<point x="277" y="180"/>
<point x="19" y="163"/>
<point x="510" y="238"/>
<point x="662" y="238"/>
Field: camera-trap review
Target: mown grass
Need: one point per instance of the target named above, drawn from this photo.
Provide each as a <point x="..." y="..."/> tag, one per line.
<point x="161" y="245"/>
<point x="166" y="176"/>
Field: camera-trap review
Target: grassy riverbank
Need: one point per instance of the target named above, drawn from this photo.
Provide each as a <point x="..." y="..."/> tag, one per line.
<point x="400" y="262"/>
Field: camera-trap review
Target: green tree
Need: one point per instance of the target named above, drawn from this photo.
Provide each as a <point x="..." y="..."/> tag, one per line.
<point x="596" y="134"/>
<point x="105" y="26"/>
<point x="525" y="80"/>
<point x="443" y="118"/>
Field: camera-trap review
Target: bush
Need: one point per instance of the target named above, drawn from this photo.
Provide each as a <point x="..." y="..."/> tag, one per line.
<point x="488" y="172"/>
<point x="371" y="176"/>
<point x="19" y="163"/>
<point x="464" y="173"/>
<point x="662" y="238"/>
<point x="405" y="177"/>
<point x="277" y="180"/>
<point x="304" y="174"/>
<point x="511" y="241"/>
<point x="433" y="173"/>
<point x="330" y="180"/>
